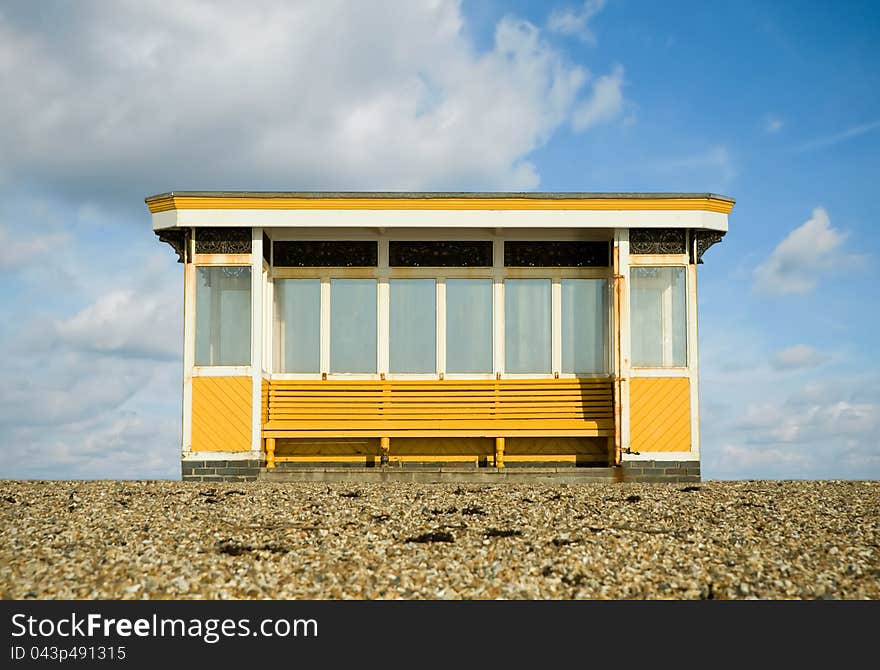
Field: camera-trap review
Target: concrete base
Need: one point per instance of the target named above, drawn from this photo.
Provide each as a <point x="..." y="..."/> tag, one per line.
<point x="428" y="474"/>
<point x="220" y="471"/>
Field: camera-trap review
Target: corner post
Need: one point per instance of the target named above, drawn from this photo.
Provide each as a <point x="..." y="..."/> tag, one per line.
<point x="622" y="343"/>
<point x="257" y="342"/>
<point x="189" y="343"/>
<point x="693" y="354"/>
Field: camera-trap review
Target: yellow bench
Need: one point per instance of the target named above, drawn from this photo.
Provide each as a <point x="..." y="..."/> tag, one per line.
<point x="449" y="408"/>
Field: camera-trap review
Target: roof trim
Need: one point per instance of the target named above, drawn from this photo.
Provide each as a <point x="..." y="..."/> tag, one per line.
<point x="353" y="200"/>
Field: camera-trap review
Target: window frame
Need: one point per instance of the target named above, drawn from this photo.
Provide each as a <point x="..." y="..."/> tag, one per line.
<point x="556" y="275"/>
<point x="212" y="261"/>
<point x="664" y="260"/>
<point x="325" y="275"/>
<point x="497" y="273"/>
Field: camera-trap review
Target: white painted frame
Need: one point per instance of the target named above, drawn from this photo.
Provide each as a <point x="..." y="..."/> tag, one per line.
<point x="528" y="220"/>
<point x="257" y="339"/>
<point x="690" y="371"/>
<point x="189" y="348"/>
<point x="622" y="367"/>
<point x="256" y="370"/>
<point x="263" y="313"/>
<point x="498" y="273"/>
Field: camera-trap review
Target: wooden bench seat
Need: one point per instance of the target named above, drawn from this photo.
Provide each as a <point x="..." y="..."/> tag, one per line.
<point x="452" y="408"/>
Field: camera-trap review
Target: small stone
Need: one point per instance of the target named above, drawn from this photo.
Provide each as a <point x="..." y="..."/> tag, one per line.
<point x="180" y="584"/>
<point x="317" y="541"/>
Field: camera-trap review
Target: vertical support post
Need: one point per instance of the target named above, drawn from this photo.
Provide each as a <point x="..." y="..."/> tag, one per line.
<point x="693" y="359"/>
<point x="383" y="307"/>
<point x="623" y="369"/>
<point x="497" y="307"/>
<point x="616" y="280"/>
<point x="440" y="335"/>
<point x="499" y="452"/>
<point x="270" y="452"/>
<point x="268" y="318"/>
<point x="189" y="344"/>
<point x="325" y="326"/>
<point x="556" y="326"/>
<point x="384" y="410"/>
<point x="256" y="341"/>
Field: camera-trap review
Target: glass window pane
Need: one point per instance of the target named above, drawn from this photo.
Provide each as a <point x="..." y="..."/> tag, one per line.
<point x="584" y="325"/>
<point x="353" y="325"/>
<point x="469" y="325"/>
<point x="413" y="331"/>
<point x="527" y="325"/>
<point x="658" y="311"/>
<point x="298" y="325"/>
<point x="223" y="315"/>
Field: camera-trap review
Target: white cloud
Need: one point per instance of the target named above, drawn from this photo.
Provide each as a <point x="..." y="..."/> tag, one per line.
<point x="605" y="103"/>
<point x="749" y="460"/>
<point x="125" y="323"/>
<point x="112" y="105"/>
<point x="386" y="95"/>
<point x="575" y="22"/>
<point x="809" y="423"/>
<point x="837" y="138"/>
<point x="118" y="444"/>
<point x="799" y="357"/>
<point x="18" y="249"/>
<point x="781" y="435"/>
<point x="796" y="264"/>
<point x="64" y="387"/>
<point x="96" y="393"/>
<point x="756" y="423"/>
<point x="82" y="414"/>
<point x="773" y="124"/>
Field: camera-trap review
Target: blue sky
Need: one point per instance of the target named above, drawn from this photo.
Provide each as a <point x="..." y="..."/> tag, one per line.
<point x="775" y="104"/>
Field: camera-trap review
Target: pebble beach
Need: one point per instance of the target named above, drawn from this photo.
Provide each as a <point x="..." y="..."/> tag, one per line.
<point x="182" y="540"/>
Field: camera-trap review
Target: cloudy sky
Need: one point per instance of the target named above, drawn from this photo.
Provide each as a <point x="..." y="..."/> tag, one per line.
<point x="103" y="103"/>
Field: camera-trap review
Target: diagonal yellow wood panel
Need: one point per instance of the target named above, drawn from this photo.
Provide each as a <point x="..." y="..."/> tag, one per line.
<point x="221" y="413"/>
<point x="660" y="414"/>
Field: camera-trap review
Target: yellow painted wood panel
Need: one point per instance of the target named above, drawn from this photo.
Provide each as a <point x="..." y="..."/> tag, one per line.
<point x="328" y="447"/>
<point x="432" y="408"/>
<point x="168" y="202"/>
<point x="431" y="384"/>
<point x="479" y="431"/>
<point x="434" y="424"/>
<point x="660" y="414"/>
<point x="221" y="413"/>
<point x="442" y="447"/>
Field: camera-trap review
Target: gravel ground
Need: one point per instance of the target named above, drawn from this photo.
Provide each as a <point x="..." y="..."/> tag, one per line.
<point x="86" y="540"/>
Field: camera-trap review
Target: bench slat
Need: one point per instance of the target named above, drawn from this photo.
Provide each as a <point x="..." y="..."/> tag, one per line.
<point x="429" y="408"/>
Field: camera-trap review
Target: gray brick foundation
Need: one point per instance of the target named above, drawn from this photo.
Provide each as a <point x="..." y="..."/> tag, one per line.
<point x="250" y="470"/>
<point x="220" y="471"/>
<point x="660" y="471"/>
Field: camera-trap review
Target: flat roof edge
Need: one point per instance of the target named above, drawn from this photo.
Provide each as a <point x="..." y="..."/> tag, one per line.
<point x="439" y="195"/>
